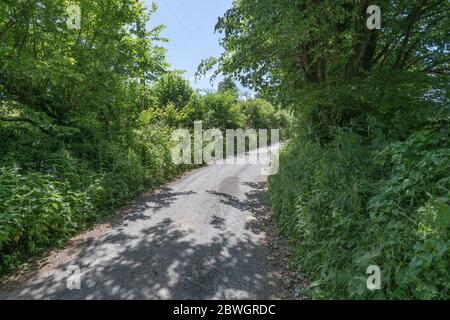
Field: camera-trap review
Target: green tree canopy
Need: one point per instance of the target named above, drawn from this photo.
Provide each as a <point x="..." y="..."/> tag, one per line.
<point x="49" y="67"/>
<point x="172" y="88"/>
<point x="228" y="84"/>
<point x="284" y="45"/>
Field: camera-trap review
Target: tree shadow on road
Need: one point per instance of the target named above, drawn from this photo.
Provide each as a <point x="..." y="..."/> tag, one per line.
<point x="254" y="202"/>
<point x="163" y="262"/>
<point x="149" y="204"/>
<point x="162" y="265"/>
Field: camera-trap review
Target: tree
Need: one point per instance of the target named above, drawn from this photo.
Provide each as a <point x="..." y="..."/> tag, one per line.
<point x="172" y="88"/>
<point x="289" y="44"/>
<point x="228" y="84"/>
<point x="320" y="58"/>
<point x="65" y="72"/>
<point x="222" y="111"/>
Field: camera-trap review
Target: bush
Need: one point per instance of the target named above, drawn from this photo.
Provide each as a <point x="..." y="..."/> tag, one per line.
<point x="43" y="206"/>
<point x="39" y="210"/>
<point x="351" y="204"/>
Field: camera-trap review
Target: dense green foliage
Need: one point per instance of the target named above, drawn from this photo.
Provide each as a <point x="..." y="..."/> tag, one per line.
<point x="228" y="84"/>
<point x="350" y="205"/>
<point x="365" y="180"/>
<point x="86" y="118"/>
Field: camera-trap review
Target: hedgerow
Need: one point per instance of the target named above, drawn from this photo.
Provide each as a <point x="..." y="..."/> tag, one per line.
<point x="349" y="205"/>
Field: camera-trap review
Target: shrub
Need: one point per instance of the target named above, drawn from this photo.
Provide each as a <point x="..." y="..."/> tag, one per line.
<point x="39" y="210"/>
<point x="350" y="204"/>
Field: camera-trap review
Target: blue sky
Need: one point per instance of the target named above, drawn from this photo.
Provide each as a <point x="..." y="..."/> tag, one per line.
<point x="190" y="30"/>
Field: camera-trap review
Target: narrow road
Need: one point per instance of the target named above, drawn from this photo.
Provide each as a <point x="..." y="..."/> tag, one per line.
<point x="200" y="237"/>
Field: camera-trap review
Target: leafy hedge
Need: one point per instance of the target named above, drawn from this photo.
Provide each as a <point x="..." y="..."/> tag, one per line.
<point x="48" y="196"/>
<point x="352" y="204"/>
